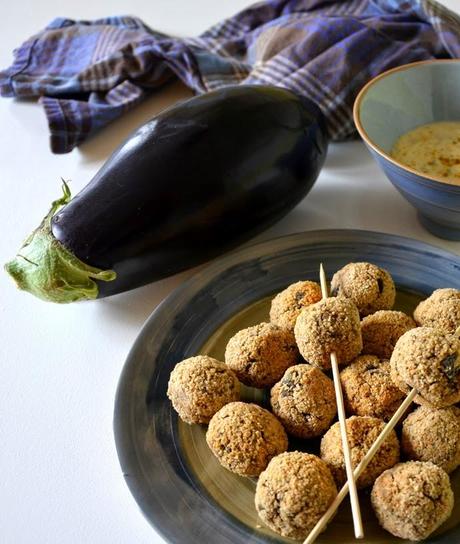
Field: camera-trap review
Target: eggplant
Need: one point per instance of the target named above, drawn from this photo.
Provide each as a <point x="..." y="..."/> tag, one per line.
<point x="196" y="180"/>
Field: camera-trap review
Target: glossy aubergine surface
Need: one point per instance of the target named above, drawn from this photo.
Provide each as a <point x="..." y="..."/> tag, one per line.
<point x="196" y="180"/>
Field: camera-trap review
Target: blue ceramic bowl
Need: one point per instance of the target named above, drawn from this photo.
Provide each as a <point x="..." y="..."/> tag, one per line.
<point x="398" y="101"/>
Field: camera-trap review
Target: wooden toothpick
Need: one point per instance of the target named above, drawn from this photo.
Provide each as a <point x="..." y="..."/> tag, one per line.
<point x="320" y="526"/>
<point x="351" y="482"/>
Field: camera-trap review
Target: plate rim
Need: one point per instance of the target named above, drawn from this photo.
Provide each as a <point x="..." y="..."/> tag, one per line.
<point x="210" y="271"/>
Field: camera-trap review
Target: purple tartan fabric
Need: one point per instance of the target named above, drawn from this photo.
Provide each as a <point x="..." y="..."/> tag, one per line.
<point x="87" y="73"/>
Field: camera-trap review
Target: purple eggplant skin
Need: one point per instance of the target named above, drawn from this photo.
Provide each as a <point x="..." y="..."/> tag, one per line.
<point x="194" y="181"/>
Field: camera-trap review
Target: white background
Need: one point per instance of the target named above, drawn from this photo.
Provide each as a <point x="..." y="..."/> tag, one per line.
<point x="60" y="480"/>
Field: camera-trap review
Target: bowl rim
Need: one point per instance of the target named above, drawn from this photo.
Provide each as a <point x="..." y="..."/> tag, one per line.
<point x="362" y="132"/>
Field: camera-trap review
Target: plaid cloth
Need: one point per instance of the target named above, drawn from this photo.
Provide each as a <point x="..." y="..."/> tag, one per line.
<point x="88" y="73"/>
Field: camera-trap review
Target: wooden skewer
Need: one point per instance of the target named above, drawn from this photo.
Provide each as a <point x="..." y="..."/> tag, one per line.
<point x="355" y="510"/>
<point x="319" y="527"/>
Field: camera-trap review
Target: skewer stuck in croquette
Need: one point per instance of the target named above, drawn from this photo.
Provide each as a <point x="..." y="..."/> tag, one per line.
<point x="329" y="326"/>
<point x="362" y="432"/>
<point x="368" y="388"/>
<point x="332" y="331"/>
<point x="304" y="401"/>
<point x="429" y="359"/>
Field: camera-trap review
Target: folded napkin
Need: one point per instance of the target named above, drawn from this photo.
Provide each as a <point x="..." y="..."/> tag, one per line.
<point x="87" y="73"/>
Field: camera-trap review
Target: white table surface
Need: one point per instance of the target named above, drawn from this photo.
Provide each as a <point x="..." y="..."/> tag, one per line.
<point x="60" y="478"/>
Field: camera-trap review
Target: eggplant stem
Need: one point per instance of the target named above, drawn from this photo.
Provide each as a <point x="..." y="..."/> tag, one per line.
<point x="45" y="268"/>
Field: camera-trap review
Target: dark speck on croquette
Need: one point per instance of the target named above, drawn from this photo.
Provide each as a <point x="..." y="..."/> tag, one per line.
<point x="304" y="401"/>
<point x="259" y="355"/>
<point x="428" y="360"/>
<point x="288" y="304"/>
<point x="411" y="500"/>
<point x="433" y="434"/>
<point x="368" y="389"/>
<point x="371" y="288"/>
<point x="293" y="493"/>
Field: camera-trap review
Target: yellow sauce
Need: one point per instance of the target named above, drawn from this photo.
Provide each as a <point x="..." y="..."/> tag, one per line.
<point x="432" y="149"/>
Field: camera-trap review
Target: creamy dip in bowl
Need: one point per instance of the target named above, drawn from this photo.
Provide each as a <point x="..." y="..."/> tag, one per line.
<point x="432" y="149"/>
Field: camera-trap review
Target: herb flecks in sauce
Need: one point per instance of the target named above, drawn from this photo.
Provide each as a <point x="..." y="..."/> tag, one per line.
<point x="432" y="149"/>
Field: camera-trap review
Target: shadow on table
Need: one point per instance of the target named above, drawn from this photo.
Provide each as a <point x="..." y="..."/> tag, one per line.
<point x="348" y="155"/>
<point x="133" y="307"/>
<point x="103" y="143"/>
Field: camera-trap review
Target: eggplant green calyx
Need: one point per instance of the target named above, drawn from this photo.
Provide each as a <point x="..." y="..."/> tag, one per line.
<point x="45" y="268"/>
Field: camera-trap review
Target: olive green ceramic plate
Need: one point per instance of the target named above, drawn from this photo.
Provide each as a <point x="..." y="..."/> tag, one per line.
<point x="178" y="484"/>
